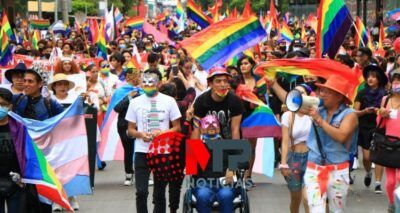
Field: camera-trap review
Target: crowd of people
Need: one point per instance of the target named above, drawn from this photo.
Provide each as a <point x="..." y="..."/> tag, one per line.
<point x="171" y="92"/>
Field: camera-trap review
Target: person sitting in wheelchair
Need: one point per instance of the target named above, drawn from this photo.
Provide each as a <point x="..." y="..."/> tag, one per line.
<point x="209" y="186"/>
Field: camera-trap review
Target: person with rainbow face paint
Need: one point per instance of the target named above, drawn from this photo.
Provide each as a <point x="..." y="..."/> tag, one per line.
<point x="221" y="102"/>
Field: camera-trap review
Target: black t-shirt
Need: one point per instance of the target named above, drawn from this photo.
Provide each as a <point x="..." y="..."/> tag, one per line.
<point x="367" y="120"/>
<point x="8" y="156"/>
<point x="230" y="107"/>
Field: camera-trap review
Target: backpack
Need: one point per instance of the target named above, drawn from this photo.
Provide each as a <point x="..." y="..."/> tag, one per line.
<point x="21" y="97"/>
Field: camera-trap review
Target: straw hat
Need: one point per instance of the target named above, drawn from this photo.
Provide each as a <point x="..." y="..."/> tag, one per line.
<point x="61" y="77"/>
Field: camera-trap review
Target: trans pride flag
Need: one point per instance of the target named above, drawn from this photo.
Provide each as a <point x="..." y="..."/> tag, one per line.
<point x="35" y="169"/>
<point x="63" y="141"/>
<point x="265" y="157"/>
<point x="110" y="146"/>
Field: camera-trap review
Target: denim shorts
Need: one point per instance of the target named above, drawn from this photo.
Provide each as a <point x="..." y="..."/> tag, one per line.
<point x="297" y="165"/>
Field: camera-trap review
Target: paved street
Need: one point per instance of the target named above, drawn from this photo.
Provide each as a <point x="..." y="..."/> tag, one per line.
<point x="110" y="196"/>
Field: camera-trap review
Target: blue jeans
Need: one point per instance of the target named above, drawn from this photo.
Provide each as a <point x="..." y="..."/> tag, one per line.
<point x="13" y="203"/>
<point x="297" y="164"/>
<point x="206" y="196"/>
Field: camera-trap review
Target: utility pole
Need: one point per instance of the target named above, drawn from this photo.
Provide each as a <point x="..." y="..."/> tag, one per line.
<point x="56" y="10"/>
<point x="64" y="7"/>
<point x="40" y="9"/>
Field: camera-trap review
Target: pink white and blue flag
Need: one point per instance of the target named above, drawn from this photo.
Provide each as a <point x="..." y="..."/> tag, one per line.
<point x="63" y="141"/>
<point x="265" y="157"/>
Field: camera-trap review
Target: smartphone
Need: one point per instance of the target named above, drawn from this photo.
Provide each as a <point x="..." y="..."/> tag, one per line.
<point x="175" y="70"/>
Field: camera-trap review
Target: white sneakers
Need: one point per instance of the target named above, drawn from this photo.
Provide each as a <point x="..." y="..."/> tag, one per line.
<point x="356" y="164"/>
<point x="151" y="182"/>
<point x="128" y="180"/>
<point x="72" y="201"/>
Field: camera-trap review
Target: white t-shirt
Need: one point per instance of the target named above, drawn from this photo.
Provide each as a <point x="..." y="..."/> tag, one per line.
<point x="301" y="127"/>
<point x="150" y="114"/>
<point x="68" y="100"/>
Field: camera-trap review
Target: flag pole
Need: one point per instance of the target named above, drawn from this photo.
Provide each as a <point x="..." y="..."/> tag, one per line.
<point x="361" y="38"/>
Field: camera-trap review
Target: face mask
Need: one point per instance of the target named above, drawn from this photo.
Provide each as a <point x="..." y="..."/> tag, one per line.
<point x="352" y="47"/>
<point x="386" y="47"/>
<point x="127" y="40"/>
<point x="105" y="71"/>
<point x="296" y="48"/>
<point x="312" y="44"/>
<point x="173" y="61"/>
<point x="122" y="46"/>
<point x="3" y="112"/>
<point x="222" y="92"/>
<point x="150" y="91"/>
<point x="208" y="121"/>
<point x="391" y="59"/>
<point x="149" y="48"/>
<point x="282" y="48"/>
<point x="396" y="88"/>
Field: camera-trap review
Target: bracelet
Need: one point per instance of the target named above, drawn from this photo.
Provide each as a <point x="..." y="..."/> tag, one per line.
<point x="283" y="166"/>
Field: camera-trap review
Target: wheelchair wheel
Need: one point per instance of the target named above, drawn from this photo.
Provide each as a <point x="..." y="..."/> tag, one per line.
<point x="187" y="203"/>
<point x="245" y="208"/>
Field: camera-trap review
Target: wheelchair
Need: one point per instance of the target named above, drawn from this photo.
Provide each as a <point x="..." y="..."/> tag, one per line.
<point x="241" y="201"/>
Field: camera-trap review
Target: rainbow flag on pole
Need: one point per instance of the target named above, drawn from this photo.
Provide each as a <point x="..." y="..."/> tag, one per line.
<point x="286" y="33"/>
<point x="333" y="24"/>
<point x="179" y="9"/>
<point x="101" y="41"/>
<point x="6" y="34"/>
<point x="36" y="39"/>
<point x="261" y="123"/>
<point x="135" y="23"/>
<point x="40" y="24"/>
<point x="362" y="37"/>
<point x="195" y="13"/>
<point x="220" y="42"/>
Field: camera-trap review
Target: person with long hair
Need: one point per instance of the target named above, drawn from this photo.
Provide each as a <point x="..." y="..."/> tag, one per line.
<point x="66" y="66"/>
<point x="391" y="120"/>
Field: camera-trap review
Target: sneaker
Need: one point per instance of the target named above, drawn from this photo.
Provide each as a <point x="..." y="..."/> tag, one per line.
<point x="151" y="182"/>
<point x="378" y="189"/>
<point x="249" y="182"/>
<point x="373" y="165"/>
<point x="351" y="180"/>
<point x="356" y="164"/>
<point x="103" y="165"/>
<point x="391" y="208"/>
<point x="367" y="180"/>
<point x="56" y="208"/>
<point x="128" y="180"/>
<point x="74" y="203"/>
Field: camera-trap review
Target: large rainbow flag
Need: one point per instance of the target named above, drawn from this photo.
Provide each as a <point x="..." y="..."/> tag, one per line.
<point x="221" y="41"/>
<point x="310" y="66"/>
<point x="40" y="24"/>
<point x="195" y="13"/>
<point x="110" y="147"/>
<point x="333" y="24"/>
<point x="63" y="141"/>
<point x="361" y="39"/>
<point x="101" y="41"/>
<point x="35" y="169"/>
<point x="261" y="123"/>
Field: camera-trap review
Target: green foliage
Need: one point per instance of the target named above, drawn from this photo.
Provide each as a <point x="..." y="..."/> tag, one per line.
<point x="90" y="5"/>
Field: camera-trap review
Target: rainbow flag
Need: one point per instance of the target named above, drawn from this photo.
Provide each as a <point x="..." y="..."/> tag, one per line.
<point x="63" y="140"/>
<point x="286" y="33"/>
<point x="135" y="23"/>
<point x="261" y="123"/>
<point x="110" y="146"/>
<point x="101" y="42"/>
<point x="195" y="13"/>
<point x="40" y="24"/>
<point x="333" y="24"/>
<point x="310" y="66"/>
<point x="362" y="37"/>
<point x="381" y="36"/>
<point x="223" y="40"/>
<point x="179" y="9"/>
<point x="36" y="39"/>
<point x="6" y="34"/>
<point x="35" y="169"/>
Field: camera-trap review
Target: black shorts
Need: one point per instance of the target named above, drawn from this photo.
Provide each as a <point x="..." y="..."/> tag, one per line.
<point x="365" y="137"/>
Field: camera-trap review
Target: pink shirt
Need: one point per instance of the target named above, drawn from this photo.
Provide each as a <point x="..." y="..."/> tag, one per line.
<point x="392" y="123"/>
